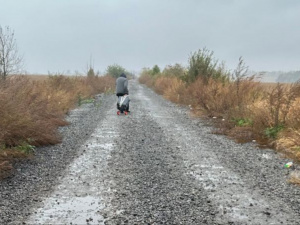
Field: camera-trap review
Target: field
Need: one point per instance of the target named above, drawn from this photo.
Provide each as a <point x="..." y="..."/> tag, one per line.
<point x="33" y="107"/>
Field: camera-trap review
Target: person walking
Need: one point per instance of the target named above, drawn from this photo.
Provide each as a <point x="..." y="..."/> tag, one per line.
<point x="122" y="91"/>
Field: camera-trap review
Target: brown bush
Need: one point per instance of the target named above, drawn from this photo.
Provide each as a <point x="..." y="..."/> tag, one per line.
<point x="31" y="111"/>
<point x="162" y="83"/>
<point x="177" y="92"/>
<point x="293" y="115"/>
<point x="219" y="98"/>
<point x="288" y="141"/>
<point x="264" y="106"/>
<point x="147" y="80"/>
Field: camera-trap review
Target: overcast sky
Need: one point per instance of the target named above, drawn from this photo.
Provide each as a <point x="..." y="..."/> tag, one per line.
<point x="61" y="35"/>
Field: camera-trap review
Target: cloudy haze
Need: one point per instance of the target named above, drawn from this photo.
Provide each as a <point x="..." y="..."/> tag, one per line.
<point x="62" y="35"/>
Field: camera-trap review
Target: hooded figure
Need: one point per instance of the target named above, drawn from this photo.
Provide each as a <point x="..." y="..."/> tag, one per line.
<point x="122" y="85"/>
<point x="122" y="93"/>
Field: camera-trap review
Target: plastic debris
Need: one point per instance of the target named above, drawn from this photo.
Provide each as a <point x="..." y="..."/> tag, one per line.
<point x="288" y="165"/>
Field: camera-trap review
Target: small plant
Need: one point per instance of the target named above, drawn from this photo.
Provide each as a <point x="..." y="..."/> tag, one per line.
<point x="98" y="105"/>
<point x="243" y="122"/>
<point x="25" y="148"/>
<point x="272" y="132"/>
<point x="79" y="100"/>
<point x="109" y="91"/>
<point x="87" y="101"/>
<point x="296" y="148"/>
<point x="2" y="147"/>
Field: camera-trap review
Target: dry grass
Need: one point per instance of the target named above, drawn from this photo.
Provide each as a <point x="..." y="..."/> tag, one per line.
<point x="266" y="112"/>
<point x="177" y="92"/>
<point x="37" y="77"/>
<point x="162" y="83"/>
<point x="32" y="110"/>
<point x="147" y="80"/>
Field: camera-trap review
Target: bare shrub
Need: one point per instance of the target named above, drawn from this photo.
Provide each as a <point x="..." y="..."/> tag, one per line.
<point x="176" y="91"/>
<point x="281" y="102"/>
<point x="293" y="115"/>
<point x="31" y="111"/>
<point x="147" y="80"/>
<point x="220" y="98"/>
<point x="162" y="83"/>
<point x="28" y="114"/>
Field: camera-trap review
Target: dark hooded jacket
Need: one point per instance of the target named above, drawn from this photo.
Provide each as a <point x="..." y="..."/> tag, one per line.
<point x="122" y="85"/>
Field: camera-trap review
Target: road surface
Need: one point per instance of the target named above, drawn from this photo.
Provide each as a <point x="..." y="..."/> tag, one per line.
<point x="160" y="166"/>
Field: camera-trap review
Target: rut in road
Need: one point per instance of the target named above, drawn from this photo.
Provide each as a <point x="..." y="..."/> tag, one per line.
<point x="158" y="166"/>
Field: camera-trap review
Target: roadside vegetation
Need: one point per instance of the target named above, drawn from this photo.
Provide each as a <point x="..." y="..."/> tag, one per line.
<point x="243" y="108"/>
<point x="32" y="110"/>
<point x="32" y="107"/>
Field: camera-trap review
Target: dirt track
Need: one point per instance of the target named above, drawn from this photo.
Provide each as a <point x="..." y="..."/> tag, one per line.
<point x="159" y="166"/>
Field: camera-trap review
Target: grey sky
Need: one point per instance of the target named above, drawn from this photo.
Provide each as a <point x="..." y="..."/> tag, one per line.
<point x="61" y="35"/>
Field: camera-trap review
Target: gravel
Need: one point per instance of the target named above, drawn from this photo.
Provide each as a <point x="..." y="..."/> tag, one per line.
<point x="37" y="176"/>
<point x="155" y="166"/>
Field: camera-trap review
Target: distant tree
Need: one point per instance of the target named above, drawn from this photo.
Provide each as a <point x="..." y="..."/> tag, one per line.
<point x="176" y="70"/>
<point x="115" y="70"/>
<point x="90" y="68"/>
<point x="155" y="70"/>
<point x="10" y="61"/>
<point x="202" y="64"/>
<point x="98" y="73"/>
<point x="91" y="72"/>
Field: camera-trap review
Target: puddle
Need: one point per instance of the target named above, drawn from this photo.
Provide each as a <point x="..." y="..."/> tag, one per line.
<point x="75" y="210"/>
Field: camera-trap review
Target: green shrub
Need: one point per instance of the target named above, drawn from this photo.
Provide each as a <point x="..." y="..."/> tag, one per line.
<point x="243" y="122"/>
<point x="202" y="64"/>
<point x="25" y="148"/>
<point x="272" y="132"/>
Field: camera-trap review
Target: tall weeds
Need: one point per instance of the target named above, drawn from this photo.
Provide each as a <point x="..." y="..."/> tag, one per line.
<point x="249" y="109"/>
<point x="31" y="111"/>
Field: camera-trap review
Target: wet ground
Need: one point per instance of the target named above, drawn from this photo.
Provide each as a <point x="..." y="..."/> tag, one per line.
<point x="159" y="166"/>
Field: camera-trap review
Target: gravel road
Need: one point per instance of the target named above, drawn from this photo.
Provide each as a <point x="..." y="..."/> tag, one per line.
<point x="154" y="166"/>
